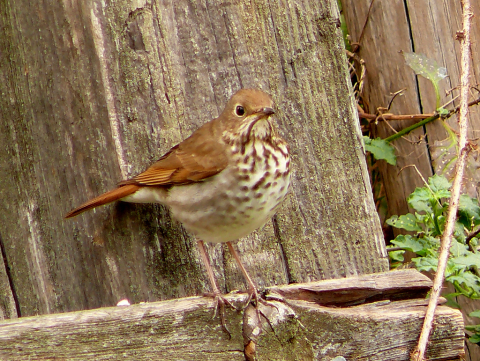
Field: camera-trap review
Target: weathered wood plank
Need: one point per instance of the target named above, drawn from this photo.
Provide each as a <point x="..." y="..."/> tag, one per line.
<point x="296" y="330"/>
<point x="385" y="35"/>
<point x="8" y="308"/>
<point x="94" y="91"/>
<point x="401" y="284"/>
<point x="428" y="27"/>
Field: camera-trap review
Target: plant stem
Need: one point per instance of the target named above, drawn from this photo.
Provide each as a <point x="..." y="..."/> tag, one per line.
<point x="419" y="353"/>
<point x="412" y="127"/>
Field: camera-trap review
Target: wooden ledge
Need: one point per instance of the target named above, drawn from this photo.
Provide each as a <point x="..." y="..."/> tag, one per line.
<point x="393" y="285"/>
<point x="296" y="329"/>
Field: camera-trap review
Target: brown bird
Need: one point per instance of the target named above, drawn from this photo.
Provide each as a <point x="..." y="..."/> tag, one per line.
<point x="223" y="182"/>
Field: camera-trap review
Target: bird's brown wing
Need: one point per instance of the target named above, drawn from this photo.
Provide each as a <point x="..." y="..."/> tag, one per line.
<point x="195" y="159"/>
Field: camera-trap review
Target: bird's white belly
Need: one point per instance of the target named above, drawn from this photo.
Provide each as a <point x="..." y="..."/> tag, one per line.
<point x="227" y="215"/>
<point x="229" y="205"/>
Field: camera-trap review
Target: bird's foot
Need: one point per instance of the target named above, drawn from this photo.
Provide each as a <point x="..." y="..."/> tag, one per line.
<point x="256" y="299"/>
<point x="220" y="303"/>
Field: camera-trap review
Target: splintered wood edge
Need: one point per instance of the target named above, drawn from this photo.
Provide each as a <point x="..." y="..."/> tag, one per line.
<point x="392" y="285"/>
<point x="185" y="329"/>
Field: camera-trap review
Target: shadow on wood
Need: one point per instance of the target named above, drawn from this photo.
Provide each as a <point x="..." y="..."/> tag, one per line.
<point x="291" y="328"/>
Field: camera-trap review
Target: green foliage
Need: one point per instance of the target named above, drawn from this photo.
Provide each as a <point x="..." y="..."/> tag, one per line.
<point x="431" y="205"/>
<point x="427" y="68"/>
<point x="380" y="149"/>
<point x="343" y="27"/>
<point x="475" y="338"/>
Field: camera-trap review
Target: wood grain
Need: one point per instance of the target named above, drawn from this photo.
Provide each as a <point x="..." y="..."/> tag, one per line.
<point x="401" y="284"/>
<point x="427" y="27"/>
<point x="94" y="92"/>
<point x="296" y="330"/>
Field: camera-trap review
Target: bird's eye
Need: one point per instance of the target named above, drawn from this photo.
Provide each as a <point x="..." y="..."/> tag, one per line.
<point x="239" y="110"/>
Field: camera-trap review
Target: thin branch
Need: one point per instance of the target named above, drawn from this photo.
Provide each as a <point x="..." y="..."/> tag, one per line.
<point x="360" y="78"/>
<point x="395" y="117"/>
<point x="472" y="235"/>
<point x="474" y="102"/>
<point x="393" y="249"/>
<point x="356" y="46"/>
<point x="397" y="93"/>
<point x="361" y="114"/>
<point x="419" y="353"/>
<point x="418" y="172"/>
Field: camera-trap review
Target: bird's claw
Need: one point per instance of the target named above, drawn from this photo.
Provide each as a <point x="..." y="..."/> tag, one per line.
<point x="220" y="302"/>
<point x="256" y="298"/>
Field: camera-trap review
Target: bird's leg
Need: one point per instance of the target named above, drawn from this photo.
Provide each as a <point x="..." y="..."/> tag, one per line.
<point x="252" y="292"/>
<point x="220" y="301"/>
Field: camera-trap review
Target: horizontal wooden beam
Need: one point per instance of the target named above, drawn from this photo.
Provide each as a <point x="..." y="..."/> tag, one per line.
<point x="394" y="285"/>
<point x="292" y="329"/>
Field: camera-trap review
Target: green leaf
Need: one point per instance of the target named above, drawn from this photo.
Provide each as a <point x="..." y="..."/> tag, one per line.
<point x="424" y="66"/>
<point x="471" y="327"/>
<point x="451" y="302"/>
<point x="420" y="246"/>
<point x="426" y="263"/>
<point x="420" y="200"/>
<point x="380" y="149"/>
<point x="467" y="283"/>
<point x="469" y="205"/>
<point x="396" y="256"/>
<point x="469" y="211"/>
<point x="474" y="242"/>
<point x="408" y="243"/>
<point x="443" y="112"/>
<point x="458" y="249"/>
<point x="475" y="313"/>
<point x="459" y="232"/>
<point x="454" y="269"/>
<point x="440" y="186"/>
<point x="441" y="220"/>
<point x="474" y="339"/>
<point x="427" y="68"/>
<point x="432" y="243"/>
<point x="471" y="260"/>
<point x="406" y="221"/>
<point x="444" y="154"/>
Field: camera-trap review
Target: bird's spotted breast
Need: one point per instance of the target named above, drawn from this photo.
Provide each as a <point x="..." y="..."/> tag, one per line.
<point x="240" y="199"/>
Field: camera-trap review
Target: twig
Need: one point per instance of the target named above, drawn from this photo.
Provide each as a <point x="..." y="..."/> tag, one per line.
<point x="399" y="92"/>
<point x="360" y="78"/>
<point x="419" y="353"/>
<point x="394" y="249"/>
<point x="472" y="235"/>
<point x="449" y="102"/>
<point x="419" y="173"/>
<point x="413" y="116"/>
<point x="356" y="46"/>
<point x="395" y="117"/>
<point x="474" y="102"/>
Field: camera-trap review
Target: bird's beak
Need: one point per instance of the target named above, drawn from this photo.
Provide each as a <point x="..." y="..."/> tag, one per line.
<point x="258" y="116"/>
<point x="266" y="111"/>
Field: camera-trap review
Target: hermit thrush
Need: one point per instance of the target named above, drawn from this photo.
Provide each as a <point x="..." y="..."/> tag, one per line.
<point x="223" y="182"/>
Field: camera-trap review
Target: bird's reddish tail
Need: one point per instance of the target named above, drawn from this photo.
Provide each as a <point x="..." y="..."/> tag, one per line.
<point x="105" y="198"/>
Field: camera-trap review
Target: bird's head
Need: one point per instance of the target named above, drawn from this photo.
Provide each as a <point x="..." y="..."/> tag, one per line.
<point x="248" y="115"/>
